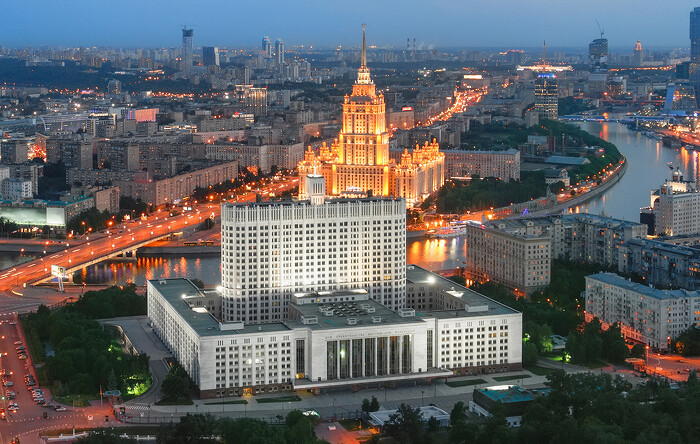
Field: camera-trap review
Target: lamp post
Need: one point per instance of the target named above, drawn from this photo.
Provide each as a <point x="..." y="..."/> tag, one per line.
<point x="421" y="398"/>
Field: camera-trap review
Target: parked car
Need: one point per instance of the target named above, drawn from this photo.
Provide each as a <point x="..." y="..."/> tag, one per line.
<point x="8" y="384"/>
<point x="59" y="408"/>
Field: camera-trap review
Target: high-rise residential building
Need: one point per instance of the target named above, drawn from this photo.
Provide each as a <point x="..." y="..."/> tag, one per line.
<point x="359" y="161"/>
<point x="638" y="54"/>
<point x="253" y="98"/>
<point x="267" y="47"/>
<point x="187" y="50"/>
<point x="210" y="56"/>
<point x="676" y="207"/>
<point x="663" y="264"/>
<point x="546" y="96"/>
<point x="114" y="87"/>
<point x="695" y="35"/>
<point x="279" y="52"/>
<point x="14" y="151"/>
<point x="598" y="54"/>
<point x="648" y="315"/>
<point x="272" y="250"/>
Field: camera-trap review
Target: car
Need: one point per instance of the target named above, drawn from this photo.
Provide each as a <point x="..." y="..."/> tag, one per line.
<point x="21" y="347"/>
<point x="331" y="427"/>
<point x="18" y="342"/>
<point x="22" y="356"/>
<point x="687" y="370"/>
<point x="48" y="406"/>
<point x="13" y="322"/>
<point x="8" y="383"/>
<point x="5" y="372"/>
<point x="59" y="408"/>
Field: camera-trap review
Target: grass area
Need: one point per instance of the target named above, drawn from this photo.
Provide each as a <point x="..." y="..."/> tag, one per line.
<point x="351" y="424"/>
<point x="237" y="401"/>
<point x="183" y="401"/>
<point x="540" y="371"/>
<point x="465" y="382"/>
<point x="510" y="377"/>
<point x="129" y="430"/>
<point x="293" y="398"/>
<point x="77" y="400"/>
<point x="595" y="364"/>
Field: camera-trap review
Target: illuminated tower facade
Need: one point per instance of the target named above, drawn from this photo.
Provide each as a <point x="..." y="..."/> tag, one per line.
<point x="267" y="47"/>
<point x="695" y="35"/>
<point x="358" y="161"/>
<point x="546" y="96"/>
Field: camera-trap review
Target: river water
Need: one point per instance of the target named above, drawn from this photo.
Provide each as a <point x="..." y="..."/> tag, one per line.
<point x="647" y="168"/>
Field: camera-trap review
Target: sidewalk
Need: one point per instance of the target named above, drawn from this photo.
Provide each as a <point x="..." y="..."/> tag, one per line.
<point x="439" y="394"/>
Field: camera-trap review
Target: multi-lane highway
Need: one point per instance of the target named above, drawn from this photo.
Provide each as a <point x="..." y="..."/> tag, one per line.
<point x="123" y="237"/>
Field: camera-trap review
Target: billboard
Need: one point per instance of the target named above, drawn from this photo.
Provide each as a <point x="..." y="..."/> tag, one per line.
<point x="58" y="271"/>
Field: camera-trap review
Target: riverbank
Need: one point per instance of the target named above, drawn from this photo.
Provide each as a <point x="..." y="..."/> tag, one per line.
<point x="585" y="197"/>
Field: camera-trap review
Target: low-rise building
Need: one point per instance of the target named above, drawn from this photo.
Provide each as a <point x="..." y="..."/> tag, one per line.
<point x="331" y="340"/>
<point x="645" y="314"/>
<point x="504" y="165"/>
<point x="513" y="399"/>
<point x="14" y="189"/>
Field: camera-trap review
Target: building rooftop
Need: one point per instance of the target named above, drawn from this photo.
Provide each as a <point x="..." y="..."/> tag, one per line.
<point x="329" y="201"/>
<point x="663" y="246"/>
<point x="509" y="151"/>
<point x="565" y="160"/>
<point x="182" y="295"/>
<point x="471" y="298"/>
<point x="343" y="314"/>
<point x="619" y="281"/>
<point x="507" y="394"/>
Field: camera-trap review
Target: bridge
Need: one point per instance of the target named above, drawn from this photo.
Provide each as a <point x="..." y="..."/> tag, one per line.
<point x="620" y="119"/>
<point x="121" y="240"/>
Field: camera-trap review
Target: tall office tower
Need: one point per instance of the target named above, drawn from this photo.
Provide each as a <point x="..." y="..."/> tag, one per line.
<point x="187" y="48"/>
<point x="638" y="54"/>
<point x="210" y="56"/>
<point x="114" y="87"/>
<point x="279" y="52"/>
<point x="598" y="54"/>
<point x="254" y="99"/>
<point x="274" y="250"/>
<point x="267" y="47"/>
<point x="695" y="35"/>
<point x="546" y="96"/>
<point x="359" y="161"/>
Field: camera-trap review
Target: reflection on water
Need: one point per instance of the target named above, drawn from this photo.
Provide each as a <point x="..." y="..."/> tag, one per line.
<point x="207" y="269"/>
<point x="436" y="254"/>
<point x="647" y="168"/>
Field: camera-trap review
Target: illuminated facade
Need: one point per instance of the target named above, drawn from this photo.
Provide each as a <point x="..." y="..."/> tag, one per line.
<point x="359" y="162"/>
<point x="546" y="96"/>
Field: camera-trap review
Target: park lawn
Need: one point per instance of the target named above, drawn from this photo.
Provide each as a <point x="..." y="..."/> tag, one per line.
<point x="510" y="377"/>
<point x="540" y="371"/>
<point x="351" y="424"/>
<point x="78" y="400"/>
<point x="293" y="398"/>
<point x="237" y="401"/>
<point x="465" y="382"/>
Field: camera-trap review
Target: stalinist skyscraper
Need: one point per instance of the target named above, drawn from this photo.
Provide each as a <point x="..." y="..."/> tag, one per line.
<point x="358" y="161"/>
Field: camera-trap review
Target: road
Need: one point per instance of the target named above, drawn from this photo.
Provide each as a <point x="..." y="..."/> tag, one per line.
<point x="122" y="237"/>
<point x="29" y="419"/>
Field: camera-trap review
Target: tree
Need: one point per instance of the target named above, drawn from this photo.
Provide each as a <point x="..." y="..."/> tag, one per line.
<point x="638" y="351"/>
<point x="198" y="283"/>
<point x="406" y="425"/>
<point x="366" y="406"/>
<point x="458" y="413"/>
<point x="529" y="354"/>
<point x="374" y="404"/>
<point x="433" y="425"/>
<point x="175" y="384"/>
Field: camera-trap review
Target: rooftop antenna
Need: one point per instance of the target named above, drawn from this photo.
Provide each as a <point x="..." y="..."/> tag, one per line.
<point x="601" y="30"/>
<point x="544" y="54"/>
<point x="364" y="47"/>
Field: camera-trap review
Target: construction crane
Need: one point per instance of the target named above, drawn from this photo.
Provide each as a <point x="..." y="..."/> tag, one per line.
<point x="602" y="31"/>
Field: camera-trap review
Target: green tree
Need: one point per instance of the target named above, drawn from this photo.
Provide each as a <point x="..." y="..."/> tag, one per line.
<point x="105" y="436"/>
<point x="458" y="413"/>
<point x="406" y="425"/>
<point x="175" y="384"/>
<point x="374" y="404"/>
<point x="366" y="407"/>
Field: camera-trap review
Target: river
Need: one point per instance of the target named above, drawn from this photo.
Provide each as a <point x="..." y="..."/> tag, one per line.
<point x="647" y="168"/>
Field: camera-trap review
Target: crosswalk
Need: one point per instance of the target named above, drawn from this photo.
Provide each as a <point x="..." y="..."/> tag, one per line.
<point x="136" y="407"/>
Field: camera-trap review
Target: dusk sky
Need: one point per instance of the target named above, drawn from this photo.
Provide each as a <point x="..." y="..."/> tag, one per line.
<point x="327" y="23"/>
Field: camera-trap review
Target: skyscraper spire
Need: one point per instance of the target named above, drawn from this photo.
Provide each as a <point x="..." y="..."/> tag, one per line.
<point x="364" y="47"/>
<point x="363" y="77"/>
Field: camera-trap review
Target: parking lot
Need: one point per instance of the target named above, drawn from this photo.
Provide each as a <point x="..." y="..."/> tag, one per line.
<point x="22" y="409"/>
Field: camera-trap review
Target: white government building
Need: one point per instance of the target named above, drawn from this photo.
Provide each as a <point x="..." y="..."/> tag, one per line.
<point x="317" y="296"/>
<point x="273" y="250"/>
<point x="645" y="314"/>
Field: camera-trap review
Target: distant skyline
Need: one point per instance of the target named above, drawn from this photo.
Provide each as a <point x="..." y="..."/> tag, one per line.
<point x="433" y="23"/>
